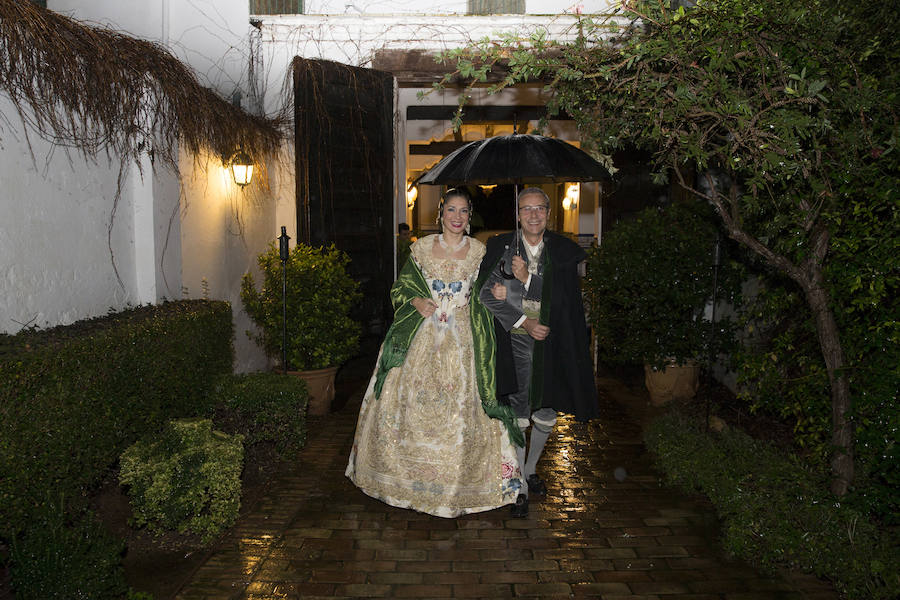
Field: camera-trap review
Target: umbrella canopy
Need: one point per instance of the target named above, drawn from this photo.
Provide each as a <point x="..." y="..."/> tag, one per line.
<point x="518" y="158"/>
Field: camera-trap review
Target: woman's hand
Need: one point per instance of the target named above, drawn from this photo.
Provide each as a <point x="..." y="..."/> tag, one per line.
<point x="499" y="291"/>
<point x="425" y="306"/>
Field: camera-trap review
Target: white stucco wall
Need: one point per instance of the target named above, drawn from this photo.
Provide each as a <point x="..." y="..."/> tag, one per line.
<point x="56" y="249"/>
<point x="223" y="228"/>
<point x="209" y="35"/>
<point x="442" y="7"/>
<point x="353" y="39"/>
<point x="171" y="235"/>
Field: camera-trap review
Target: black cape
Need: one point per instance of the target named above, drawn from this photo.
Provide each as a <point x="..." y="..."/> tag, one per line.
<point x="562" y="372"/>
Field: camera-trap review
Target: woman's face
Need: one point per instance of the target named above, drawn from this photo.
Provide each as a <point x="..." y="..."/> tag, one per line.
<point x="456" y="215"/>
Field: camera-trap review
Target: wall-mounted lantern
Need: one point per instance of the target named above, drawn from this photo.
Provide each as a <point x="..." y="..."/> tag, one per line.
<point x="573" y="191"/>
<point x="412" y="192"/>
<point x="241" y="168"/>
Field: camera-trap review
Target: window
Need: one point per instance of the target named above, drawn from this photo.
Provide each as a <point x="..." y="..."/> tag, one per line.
<point x="496" y="7"/>
<point x="276" y="7"/>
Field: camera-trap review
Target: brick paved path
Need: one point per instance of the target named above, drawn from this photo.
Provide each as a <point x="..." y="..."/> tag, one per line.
<point x="317" y="536"/>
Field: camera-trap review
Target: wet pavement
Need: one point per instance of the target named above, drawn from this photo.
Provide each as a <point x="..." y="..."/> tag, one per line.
<point x="606" y="529"/>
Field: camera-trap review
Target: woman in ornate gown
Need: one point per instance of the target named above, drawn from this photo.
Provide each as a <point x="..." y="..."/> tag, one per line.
<point x="431" y="435"/>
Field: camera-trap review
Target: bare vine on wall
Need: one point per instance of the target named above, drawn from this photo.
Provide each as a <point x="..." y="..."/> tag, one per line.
<point x="98" y="91"/>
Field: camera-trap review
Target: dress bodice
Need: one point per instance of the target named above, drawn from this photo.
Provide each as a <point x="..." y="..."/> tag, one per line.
<point x="449" y="279"/>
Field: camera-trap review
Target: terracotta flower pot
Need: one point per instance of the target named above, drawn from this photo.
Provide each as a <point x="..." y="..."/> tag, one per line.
<point x="672" y="382"/>
<point x="320" y="386"/>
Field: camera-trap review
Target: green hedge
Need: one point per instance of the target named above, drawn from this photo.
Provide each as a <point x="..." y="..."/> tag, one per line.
<point x="774" y="510"/>
<point x="263" y="407"/>
<point x="73" y="398"/>
<point x="67" y="558"/>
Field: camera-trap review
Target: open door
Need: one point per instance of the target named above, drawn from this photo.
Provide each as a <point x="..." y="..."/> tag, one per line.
<point x="344" y="150"/>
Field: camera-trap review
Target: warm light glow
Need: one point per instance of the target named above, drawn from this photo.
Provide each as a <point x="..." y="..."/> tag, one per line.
<point x="573" y="191"/>
<point x="242" y="168"/>
<point x="412" y="193"/>
<point x="487" y="189"/>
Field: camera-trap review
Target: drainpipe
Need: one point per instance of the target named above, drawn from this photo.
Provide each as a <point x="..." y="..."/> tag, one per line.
<point x="165" y="23"/>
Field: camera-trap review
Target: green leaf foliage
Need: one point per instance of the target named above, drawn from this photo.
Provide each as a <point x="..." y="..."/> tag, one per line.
<point x="320" y="296"/>
<point x="186" y="478"/>
<point x="60" y="558"/>
<point x="264" y="407"/>
<point x="650" y="282"/>
<point x="781" y="372"/>
<point x="775" y="511"/>
<point x="73" y="398"/>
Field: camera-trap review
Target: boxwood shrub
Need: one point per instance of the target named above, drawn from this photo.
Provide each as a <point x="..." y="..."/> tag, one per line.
<point x="72" y="398"/>
<point x="186" y="478"/>
<point x="775" y="511"/>
<point x="263" y="407"/>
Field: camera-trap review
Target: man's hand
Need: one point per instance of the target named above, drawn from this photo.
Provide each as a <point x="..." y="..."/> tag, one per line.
<point x="499" y="291"/>
<point x="425" y="306"/>
<point x="520" y="268"/>
<point x="535" y="329"/>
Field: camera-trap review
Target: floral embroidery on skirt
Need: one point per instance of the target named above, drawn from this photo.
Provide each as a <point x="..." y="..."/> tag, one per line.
<point x="426" y="443"/>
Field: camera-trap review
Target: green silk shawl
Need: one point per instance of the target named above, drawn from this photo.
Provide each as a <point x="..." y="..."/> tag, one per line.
<point x="411" y="284"/>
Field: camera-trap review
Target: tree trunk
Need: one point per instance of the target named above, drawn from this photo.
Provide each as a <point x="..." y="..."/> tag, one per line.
<point x="811" y="279"/>
<point x="835" y="363"/>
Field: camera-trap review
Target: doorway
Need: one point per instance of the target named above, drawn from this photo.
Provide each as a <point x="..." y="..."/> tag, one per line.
<point x="344" y="153"/>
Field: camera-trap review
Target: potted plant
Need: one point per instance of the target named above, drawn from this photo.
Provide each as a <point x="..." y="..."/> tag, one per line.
<point x="649" y="286"/>
<point x="320" y="333"/>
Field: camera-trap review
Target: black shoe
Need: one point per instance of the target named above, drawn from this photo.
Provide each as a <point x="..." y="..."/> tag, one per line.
<point x="520" y="508"/>
<point x="536" y="485"/>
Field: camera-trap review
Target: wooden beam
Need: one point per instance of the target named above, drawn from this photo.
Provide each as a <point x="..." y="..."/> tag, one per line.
<point x="481" y="114"/>
<point x="435" y="148"/>
<point x="418" y="68"/>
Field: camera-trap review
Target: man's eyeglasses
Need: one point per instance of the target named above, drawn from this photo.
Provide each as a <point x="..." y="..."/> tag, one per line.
<point x="536" y="210"/>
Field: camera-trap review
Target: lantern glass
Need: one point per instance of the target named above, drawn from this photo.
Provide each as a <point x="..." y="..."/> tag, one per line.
<point x="242" y="169"/>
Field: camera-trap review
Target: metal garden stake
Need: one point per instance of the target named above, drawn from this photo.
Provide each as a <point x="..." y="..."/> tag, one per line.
<point x="284" y="253"/>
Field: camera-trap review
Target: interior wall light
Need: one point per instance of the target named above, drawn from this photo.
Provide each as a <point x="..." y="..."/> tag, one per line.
<point x="573" y="191"/>
<point x="488" y="188"/>
<point x="241" y="168"/>
<point x="412" y="192"/>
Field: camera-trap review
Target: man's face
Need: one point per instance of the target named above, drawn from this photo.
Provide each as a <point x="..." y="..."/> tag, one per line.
<point x="533" y="214"/>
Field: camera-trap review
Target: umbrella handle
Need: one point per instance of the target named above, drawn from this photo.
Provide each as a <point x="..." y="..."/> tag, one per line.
<point x="503" y="271"/>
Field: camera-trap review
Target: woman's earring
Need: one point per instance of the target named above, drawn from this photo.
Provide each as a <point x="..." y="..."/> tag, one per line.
<point x="468" y="228"/>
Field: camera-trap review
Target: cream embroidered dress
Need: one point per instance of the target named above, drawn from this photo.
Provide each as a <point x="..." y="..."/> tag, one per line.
<point x="426" y="443"/>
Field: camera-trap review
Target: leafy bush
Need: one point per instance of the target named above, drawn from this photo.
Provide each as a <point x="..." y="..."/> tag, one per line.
<point x="59" y="559"/>
<point x="264" y="407"/>
<point x="73" y="398"/>
<point x="775" y="511"/>
<point x="783" y="373"/>
<point x="187" y="478"/>
<point x="320" y="295"/>
<point x="649" y="283"/>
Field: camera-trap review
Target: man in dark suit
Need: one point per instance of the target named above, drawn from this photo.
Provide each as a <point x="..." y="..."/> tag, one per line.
<point x="543" y="359"/>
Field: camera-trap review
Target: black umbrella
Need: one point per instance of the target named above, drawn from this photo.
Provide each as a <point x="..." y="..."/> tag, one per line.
<point x="519" y="158"/>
